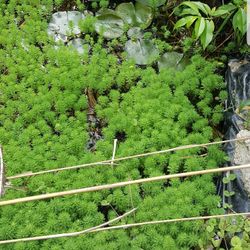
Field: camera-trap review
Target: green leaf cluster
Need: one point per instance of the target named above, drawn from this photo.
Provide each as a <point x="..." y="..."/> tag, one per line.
<point x="203" y="17"/>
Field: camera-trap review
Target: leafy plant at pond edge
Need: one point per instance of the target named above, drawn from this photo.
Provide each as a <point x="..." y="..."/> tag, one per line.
<point x="235" y="231"/>
<point x="201" y="16"/>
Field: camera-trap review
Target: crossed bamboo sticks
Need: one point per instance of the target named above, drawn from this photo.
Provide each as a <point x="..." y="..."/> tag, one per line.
<point x="120" y="184"/>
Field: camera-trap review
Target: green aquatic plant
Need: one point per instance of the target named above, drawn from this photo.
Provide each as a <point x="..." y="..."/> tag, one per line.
<point x="44" y="113"/>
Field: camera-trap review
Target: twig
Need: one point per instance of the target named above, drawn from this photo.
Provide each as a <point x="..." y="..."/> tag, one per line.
<point x="2" y="179"/>
<point x="125" y="226"/>
<point x="225" y="242"/>
<point x="192" y="156"/>
<point x="120" y="184"/>
<point x="107" y="162"/>
<point x="223" y="42"/>
<point x="114" y="151"/>
<point x="54" y="236"/>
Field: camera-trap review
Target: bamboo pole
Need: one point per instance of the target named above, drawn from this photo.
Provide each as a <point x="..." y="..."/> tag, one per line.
<point x="121" y="184"/>
<point x="109" y="162"/>
<point x="124" y="226"/>
<point x="2" y="178"/>
<point x="73" y="234"/>
<point x="114" y="151"/>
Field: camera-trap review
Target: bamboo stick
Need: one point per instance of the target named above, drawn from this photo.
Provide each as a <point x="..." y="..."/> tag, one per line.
<point x="2" y="179"/>
<point x="73" y="234"/>
<point x="121" y="184"/>
<point x="101" y="227"/>
<point x="114" y="151"/>
<point x="108" y="162"/>
<point x="126" y="226"/>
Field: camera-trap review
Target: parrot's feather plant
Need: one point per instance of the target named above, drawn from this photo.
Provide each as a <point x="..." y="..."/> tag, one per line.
<point x="44" y="125"/>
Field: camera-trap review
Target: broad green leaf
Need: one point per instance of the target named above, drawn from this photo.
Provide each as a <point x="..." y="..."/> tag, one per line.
<point x="236" y="241"/>
<point x="210" y="229"/>
<point x="207" y="35"/>
<point x="192" y="6"/>
<point x="180" y="23"/>
<point x="247" y="226"/>
<point x="207" y="8"/>
<point x="216" y="243"/>
<point x="135" y="32"/>
<point x="189" y="12"/>
<point x="225" y="180"/>
<point x="127" y="12"/>
<point x="144" y="15"/>
<point x="143" y="52"/>
<point x="152" y="3"/>
<point x="203" y="7"/>
<point x="172" y="60"/>
<point x="135" y="15"/>
<point x="232" y="177"/>
<point x="190" y="20"/>
<point x="240" y="21"/>
<point x="109" y="24"/>
<point x="199" y="27"/>
<point x="224" y="9"/>
<point x="228" y="194"/>
<point x="221" y="234"/>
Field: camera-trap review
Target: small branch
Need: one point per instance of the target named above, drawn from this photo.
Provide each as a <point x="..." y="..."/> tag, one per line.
<point x="114" y="151"/>
<point x="124" y="226"/>
<point x="2" y="178"/>
<point x="193" y="156"/>
<point x="121" y="184"/>
<point x="73" y="234"/>
<point x="107" y="162"/>
<point x="223" y="42"/>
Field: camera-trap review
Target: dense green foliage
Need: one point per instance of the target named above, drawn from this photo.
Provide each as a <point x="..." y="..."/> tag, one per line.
<point x="202" y="17"/>
<point x="234" y="230"/>
<point x="43" y="125"/>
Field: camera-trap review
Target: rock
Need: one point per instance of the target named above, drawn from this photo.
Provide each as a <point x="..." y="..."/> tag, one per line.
<point x="242" y="156"/>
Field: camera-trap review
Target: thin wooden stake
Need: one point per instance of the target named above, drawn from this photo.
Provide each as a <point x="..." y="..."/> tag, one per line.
<point x="73" y="234"/>
<point x="107" y="162"/>
<point x="120" y="184"/>
<point x="114" y="151"/>
<point x="2" y="178"/>
<point x="125" y="226"/>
